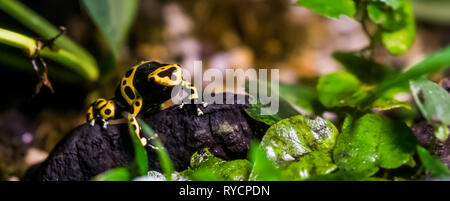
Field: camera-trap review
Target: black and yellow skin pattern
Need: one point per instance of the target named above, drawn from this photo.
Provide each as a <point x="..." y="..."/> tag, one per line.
<point x="143" y="89"/>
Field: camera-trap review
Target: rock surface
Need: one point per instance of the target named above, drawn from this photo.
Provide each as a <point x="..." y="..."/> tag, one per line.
<point x="88" y="151"/>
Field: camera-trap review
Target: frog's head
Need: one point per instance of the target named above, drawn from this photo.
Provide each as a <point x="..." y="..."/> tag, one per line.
<point x="167" y="75"/>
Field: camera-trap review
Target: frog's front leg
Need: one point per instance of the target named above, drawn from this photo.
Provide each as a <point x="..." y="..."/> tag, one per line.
<point x="103" y="110"/>
<point x="135" y="109"/>
<point x="193" y="96"/>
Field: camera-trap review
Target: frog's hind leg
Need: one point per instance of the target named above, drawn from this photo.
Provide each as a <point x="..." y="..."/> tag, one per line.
<point x="90" y="118"/>
<point x="135" y="109"/>
<point x="103" y="110"/>
<point x="137" y="130"/>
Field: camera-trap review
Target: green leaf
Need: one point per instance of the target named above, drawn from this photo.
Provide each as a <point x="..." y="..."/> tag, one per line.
<point x="434" y="104"/>
<point x="334" y="8"/>
<point x="263" y="168"/>
<point x="399" y="41"/>
<point x="117" y="174"/>
<point x="395" y="4"/>
<point x="259" y="112"/>
<point x="114" y="19"/>
<point x="433" y="63"/>
<point x="292" y="138"/>
<point x="139" y="166"/>
<point x="299" y="96"/>
<point x="432" y="100"/>
<point x="389" y="19"/>
<point x="371" y="142"/>
<point x="390" y="103"/>
<point x="364" y="69"/>
<point x="301" y="146"/>
<point x="255" y="112"/>
<point x="340" y="89"/>
<point x="432" y="164"/>
<point x="441" y="131"/>
<point x="203" y="174"/>
<point x="204" y="160"/>
<point x="314" y="163"/>
<point x="163" y="155"/>
<point x="206" y="167"/>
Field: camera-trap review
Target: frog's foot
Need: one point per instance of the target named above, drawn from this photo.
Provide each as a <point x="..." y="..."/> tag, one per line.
<point x="102" y="110"/>
<point x="155" y="136"/>
<point x="105" y="123"/>
<point x="199" y="106"/>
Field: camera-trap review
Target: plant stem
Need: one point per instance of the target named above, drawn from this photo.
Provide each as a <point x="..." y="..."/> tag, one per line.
<point x="18" y="41"/>
<point x="61" y="56"/>
<point x="41" y="26"/>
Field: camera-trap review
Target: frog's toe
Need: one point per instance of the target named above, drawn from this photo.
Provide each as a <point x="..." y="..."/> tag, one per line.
<point x="199" y="112"/>
<point x="153" y="147"/>
<point x="105" y="124"/>
<point x="143" y="141"/>
<point x="92" y="122"/>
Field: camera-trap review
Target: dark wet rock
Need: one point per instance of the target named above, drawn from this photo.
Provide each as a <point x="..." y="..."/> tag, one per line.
<point x="426" y="138"/>
<point x="88" y="151"/>
<point x="424" y="133"/>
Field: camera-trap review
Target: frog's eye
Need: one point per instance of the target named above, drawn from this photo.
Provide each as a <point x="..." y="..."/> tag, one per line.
<point x="170" y="75"/>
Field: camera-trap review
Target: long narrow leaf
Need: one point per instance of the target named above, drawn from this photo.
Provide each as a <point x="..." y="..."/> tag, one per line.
<point x="41" y="26"/>
<point x="163" y="155"/>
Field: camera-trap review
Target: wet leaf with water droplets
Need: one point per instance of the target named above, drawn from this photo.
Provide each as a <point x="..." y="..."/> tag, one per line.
<point x="372" y="142"/>
<point x="301" y="146"/>
<point x="205" y="166"/>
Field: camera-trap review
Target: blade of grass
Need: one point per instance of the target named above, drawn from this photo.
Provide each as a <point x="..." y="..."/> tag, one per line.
<point x="41" y="26"/>
<point x="117" y="174"/>
<point x="432" y="164"/>
<point x="139" y="167"/>
<point x="433" y="63"/>
<point x="163" y="155"/>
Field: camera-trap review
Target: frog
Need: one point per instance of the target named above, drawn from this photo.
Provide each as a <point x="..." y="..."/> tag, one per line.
<point x="143" y="89"/>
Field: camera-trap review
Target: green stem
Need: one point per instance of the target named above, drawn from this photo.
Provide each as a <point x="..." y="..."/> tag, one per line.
<point x="62" y="56"/>
<point x="18" y="41"/>
<point x="41" y="26"/>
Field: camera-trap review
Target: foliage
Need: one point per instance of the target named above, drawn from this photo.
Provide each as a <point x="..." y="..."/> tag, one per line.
<point x="114" y="22"/>
<point x="372" y="142"/>
<point x="394" y="19"/>
<point x="301" y="145"/>
<point x="367" y="142"/>
<point x="330" y="8"/>
<point x="139" y="166"/>
<point x="69" y="54"/>
<point x="433" y="165"/>
<point x="433" y="102"/>
<point x="205" y="166"/>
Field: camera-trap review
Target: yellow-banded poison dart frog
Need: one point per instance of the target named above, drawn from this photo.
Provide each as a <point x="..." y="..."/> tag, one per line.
<point x="143" y="89"/>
